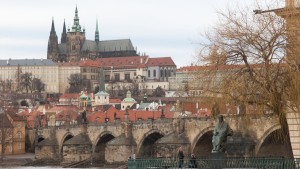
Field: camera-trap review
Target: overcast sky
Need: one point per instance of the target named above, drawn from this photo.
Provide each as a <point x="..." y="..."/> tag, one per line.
<point x="157" y="27"/>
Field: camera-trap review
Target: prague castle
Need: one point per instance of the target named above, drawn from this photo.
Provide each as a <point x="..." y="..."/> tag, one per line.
<point x="74" y="45"/>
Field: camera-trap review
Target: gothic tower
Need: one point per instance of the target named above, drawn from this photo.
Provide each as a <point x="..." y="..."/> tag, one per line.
<point x="291" y="13"/>
<point x="97" y="33"/>
<point x="75" y="40"/>
<point x="52" y="52"/>
<point x="64" y="34"/>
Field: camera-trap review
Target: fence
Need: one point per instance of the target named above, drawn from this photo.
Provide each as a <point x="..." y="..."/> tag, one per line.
<point x="226" y="163"/>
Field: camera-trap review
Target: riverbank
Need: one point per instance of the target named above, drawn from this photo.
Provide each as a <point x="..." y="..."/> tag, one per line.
<point x="17" y="160"/>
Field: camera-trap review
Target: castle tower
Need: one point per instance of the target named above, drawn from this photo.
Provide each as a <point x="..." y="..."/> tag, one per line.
<point x="64" y="34"/>
<point x="291" y="13"/>
<point x="52" y="52"/>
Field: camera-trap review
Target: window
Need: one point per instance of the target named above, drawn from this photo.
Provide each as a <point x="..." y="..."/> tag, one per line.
<point x="127" y="77"/>
<point x="19" y="135"/>
<point x="161" y="73"/>
<point x="107" y="78"/>
<point x="117" y="77"/>
<point x="19" y="146"/>
<point x="154" y="73"/>
<point x="149" y="73"/>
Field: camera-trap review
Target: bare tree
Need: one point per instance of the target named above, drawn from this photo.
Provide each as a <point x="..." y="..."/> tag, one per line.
<point x="26" y="81"/>
<point x="158" y="92"/>
<point x="245" y="62"/>
<point x="78" y="84"/>
<point x="38" y="85"/>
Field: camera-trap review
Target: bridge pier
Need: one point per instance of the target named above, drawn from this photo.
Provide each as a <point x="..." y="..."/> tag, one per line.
<point x="293" y="120"/>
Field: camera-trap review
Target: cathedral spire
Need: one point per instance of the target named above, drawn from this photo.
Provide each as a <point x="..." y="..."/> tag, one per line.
<point x="64" y="34"/>
<point x="97" y="32"/>
<point x="52" y="27"/>
<point x="52" y="52"/>
<point x="76" y="27"/>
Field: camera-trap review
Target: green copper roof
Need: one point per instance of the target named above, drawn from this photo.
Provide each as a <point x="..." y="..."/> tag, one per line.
<point x="83" y="96"/>
<point x="101" y="93"/>
<point x="76" y="26"/>
<point x="129" y="100"/>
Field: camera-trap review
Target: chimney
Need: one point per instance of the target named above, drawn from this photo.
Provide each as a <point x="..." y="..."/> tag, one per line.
<point x="141" y="60"/>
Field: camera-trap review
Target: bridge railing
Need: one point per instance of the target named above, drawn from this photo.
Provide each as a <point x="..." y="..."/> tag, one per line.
<point x="206" y="163"/>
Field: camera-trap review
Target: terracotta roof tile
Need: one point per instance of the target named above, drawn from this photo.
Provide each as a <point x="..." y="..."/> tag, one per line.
<point x="160" y="61"/>
<point x="123" y="62"/>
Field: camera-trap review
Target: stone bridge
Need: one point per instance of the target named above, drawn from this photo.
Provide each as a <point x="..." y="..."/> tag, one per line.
<point x="115" y="142"/>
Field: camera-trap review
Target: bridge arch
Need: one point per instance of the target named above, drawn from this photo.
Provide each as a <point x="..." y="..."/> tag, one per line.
<point x="148" y="140"/>
<point x="65" y="138"/>
<point x="100" y="144"/>
<point x="265" y="135"/>
<point x="204" y="138"/>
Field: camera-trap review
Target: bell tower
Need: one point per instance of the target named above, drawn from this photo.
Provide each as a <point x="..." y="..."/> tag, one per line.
<point x="75" y="40"/>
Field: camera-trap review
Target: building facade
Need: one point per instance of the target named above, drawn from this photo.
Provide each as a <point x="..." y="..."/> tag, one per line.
<point x="74" y="45"/>
<point x="13" y="127"/>
<point x="43" y="69"/>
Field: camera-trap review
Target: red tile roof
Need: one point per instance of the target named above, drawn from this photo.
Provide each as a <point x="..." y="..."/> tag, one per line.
<point x="81" y="63"/>
<point x="160" y="61"/>
<point x="115" y="101"/>
<point x="123" y="62"/>
<point x="67" y="115"/>
<point x="134" y="115"/>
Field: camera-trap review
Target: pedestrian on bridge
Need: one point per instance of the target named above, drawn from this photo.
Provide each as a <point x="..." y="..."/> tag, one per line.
<point x="181" y="157"/>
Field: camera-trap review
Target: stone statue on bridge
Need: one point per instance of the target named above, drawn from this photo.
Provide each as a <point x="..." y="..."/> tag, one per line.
<point x="221" y="131"/>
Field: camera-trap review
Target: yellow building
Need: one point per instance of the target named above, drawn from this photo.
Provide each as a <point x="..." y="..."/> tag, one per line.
<point x="14" y="129"/>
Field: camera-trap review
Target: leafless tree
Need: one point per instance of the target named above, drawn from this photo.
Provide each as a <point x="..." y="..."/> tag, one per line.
<point x="245" y="62"/>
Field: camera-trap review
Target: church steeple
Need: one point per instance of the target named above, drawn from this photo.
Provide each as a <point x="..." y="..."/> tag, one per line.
<point x="76" y="27"/>
<point x="52" y="27"/>
<point x="64" y="34"/>
<point x="97" y="32"/>
<point x="52" y="52"/>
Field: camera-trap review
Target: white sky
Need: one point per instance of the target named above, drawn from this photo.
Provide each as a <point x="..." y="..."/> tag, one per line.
<point x="157" y="27"/>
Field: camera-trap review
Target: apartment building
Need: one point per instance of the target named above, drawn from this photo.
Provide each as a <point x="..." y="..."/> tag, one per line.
<point x="44" y="69"/>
